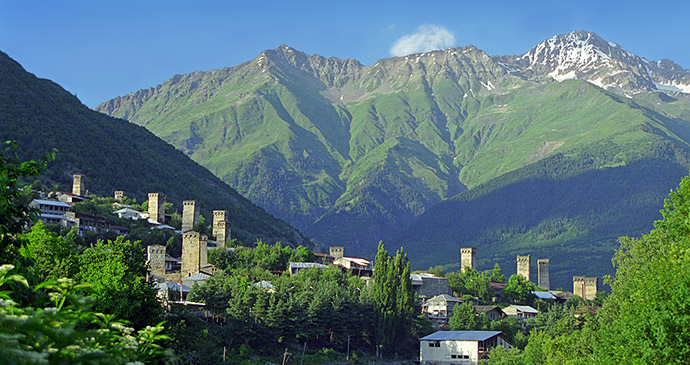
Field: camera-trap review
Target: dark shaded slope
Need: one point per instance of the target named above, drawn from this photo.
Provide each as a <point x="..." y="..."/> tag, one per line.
<point x="117" y="155"/>
<point x="570" y="208"/>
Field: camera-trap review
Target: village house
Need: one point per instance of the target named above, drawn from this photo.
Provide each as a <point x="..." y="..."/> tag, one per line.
<point x="358" y="267"/>
<point x="520" y="312"/>
<point x="439" y="309"/>
<point x="459" y="347"/>
<point x="52" y="211"/>
<point x="491" y="312"/>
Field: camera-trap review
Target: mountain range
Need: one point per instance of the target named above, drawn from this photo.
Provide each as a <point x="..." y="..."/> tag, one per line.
<point x="115" y="154"/>
<point x="556" y="152"/>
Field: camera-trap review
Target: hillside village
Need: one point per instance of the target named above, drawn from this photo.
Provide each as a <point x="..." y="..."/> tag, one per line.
<point x="438" y="299"/>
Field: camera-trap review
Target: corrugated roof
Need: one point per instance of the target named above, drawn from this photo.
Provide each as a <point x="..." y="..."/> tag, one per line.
<point x="544" y="295"/>
<point x="307" y="265"/>
<point x="444" y="298"/>
<point x="525" y="309"/>
<point x="173" y="286"/>
<point x="196" y="277"/>
<point x="53" y="203"/>
<point x="461" y="336"/>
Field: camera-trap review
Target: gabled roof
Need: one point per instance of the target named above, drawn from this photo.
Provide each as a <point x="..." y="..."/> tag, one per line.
<point x="525" y="309"/>
<point x="173" y="286"/>
<point x="196" y="277"/>
<point x="461" y="336"/>
<point x="486" y="308"/>
<point x="444" y="298"/>
<point x="264" y="284"/>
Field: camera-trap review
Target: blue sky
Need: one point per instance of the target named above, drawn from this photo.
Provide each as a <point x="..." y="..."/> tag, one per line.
<point x="100" y="50"/>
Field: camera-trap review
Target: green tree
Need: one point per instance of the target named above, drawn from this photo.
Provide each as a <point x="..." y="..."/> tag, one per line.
<point x="496" y="274"/>
<point x="53" y="256"/>
<point x="116" y="272"/>
<point x="645" y="319"/>
<point x="466" y="318"/>
<point x="393" y="300"/>
<point x="15" y="213"/>
<point x="519" y="289"/>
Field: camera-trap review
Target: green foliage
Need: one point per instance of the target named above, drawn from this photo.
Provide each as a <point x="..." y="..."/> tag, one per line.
<point x="519" y="290"/>
<point x="465" y="318"/>
<point x="14" y="200"/>
<point x="496" y="274"/>
<point x="392" y="298"/>
<point x="53" y="256"/>
<point x="68" y="331"/>
<point x="472" y="283"/>
<point x="645" y="319"/>
<point x="116" y="272"/>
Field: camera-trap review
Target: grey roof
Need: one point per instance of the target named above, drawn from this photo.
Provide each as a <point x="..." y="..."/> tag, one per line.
<point x="486" y="308"/>
<point x="444" y="298"/>
<point x="461" y="336"/>
<point x="307" y="265"/>
<point x="52" y="202"/>
<point x="173" y="286"/>
<point x="525" y="309"/>
<point x="196" y="277"/>
<point x="544" y="295"/>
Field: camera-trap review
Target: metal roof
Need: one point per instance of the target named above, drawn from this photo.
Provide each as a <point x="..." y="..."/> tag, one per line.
<point x="53" y="203"/>
<point x="443" y="298"/>
<point x="461" y="336"/>
<point x="173" y="286"/>
<point x="196" y="277"/>
<point x="307" y="265"/>
<point x="525" y="309"/>
<point x="544" y="295"/>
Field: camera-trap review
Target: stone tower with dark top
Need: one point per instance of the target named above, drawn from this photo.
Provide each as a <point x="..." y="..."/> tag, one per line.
<point x="157" y="207"/>
<point x="190" y="215"/>
<point x="543" y="273"/>
<point x="468" y="257"/>
<point x="523" y="266"/>
<point x="221" y="227"/>
<point x="194" y="252"/>
<point x="337" y="251"/>
<point x="78" y="187"/>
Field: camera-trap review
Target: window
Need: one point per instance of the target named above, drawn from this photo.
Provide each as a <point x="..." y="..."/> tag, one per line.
<point x="434" y="344"/>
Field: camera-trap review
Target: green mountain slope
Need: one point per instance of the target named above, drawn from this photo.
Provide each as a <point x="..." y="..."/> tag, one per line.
<point x="117" y="155"/>
<point x="569" y="207"/>
<point x="351" y="154"/>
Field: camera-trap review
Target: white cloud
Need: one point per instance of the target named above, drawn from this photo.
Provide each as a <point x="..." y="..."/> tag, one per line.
<point x="427" y="38"/>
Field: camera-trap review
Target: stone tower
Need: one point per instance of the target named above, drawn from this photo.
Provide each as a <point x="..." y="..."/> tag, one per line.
<point x="523" y="266"/>
<point x="156" y="258"/>
<point x="468" y="258"/>
<point x="585" y="287"/>
<point x="157" y="207"/>
<point x="337" y="251"/>
<point x="543" y="273"/>
<point x="190" y="215"/>
<point x="194" y="252"/>
<point x="221" y="227"/>
<point x="119" y="195"/>
<point x="78" y="187"/>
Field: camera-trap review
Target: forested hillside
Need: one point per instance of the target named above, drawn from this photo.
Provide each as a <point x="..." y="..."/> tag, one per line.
<point x="117" y="155"/>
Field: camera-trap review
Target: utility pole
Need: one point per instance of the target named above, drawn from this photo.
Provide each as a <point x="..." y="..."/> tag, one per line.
<point x="347" y="358"/>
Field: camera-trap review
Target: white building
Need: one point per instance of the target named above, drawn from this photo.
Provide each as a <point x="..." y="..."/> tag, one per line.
<point x="52" y="211"/>
<point x="458" y="347"/>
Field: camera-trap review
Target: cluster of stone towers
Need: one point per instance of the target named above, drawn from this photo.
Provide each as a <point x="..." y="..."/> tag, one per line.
<point x="523" y="268"/>
<point x="194" y="244"/>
